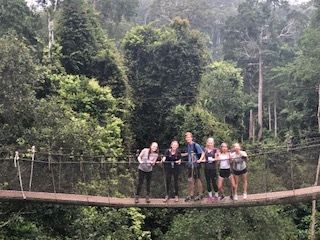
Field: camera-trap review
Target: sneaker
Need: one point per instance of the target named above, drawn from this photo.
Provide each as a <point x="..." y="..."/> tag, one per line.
<point x="166" y="199"/>
<point x="188" y="199"/>
<point x="136" y="200"/>
<point x="176" y="199"/>
<point x="221" y="197"/>
<point x="235" y="197"/>
<point x="198" y="198"/>
<point x="231" y="197"/>
<point x="147" y="199"/>
<point x="245" y="195"/>
<point x="216" y="195"/>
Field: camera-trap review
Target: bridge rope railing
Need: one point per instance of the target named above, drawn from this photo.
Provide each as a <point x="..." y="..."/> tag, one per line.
<point x="276" y="169"/>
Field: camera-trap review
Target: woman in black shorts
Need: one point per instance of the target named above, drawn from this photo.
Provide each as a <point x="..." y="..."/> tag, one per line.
<point x="239" y="168"/>
<point x="224" y="159"/>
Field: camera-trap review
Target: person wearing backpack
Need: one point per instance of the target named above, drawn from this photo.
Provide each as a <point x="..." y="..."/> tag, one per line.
<point x="172" y="162"/>
<point x="147" y="159"/>
<point x="194" y="153"/>
<point x="210" y="169"/>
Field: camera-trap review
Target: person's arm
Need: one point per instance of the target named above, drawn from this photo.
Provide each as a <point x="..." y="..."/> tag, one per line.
<point x="140" y="156"/>
<point x="164" y="158"/>
<point x="179" y="159"/>
<point x="202" y="158"/>
<point x="216" y="156"/>
<point x="244" y="156"/>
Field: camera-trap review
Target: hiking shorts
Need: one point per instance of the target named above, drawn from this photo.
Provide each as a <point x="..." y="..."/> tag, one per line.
<point x="224" y="173"/>
<point x="238" y="173"/>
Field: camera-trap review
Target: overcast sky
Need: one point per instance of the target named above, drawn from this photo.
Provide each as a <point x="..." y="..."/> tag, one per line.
<point x="30" y="2"/>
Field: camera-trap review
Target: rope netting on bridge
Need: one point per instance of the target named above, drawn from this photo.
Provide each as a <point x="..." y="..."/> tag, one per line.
<point x="64" y="171"/>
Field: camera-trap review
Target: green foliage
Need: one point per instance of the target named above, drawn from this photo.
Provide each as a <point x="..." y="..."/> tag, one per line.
<point x="15" y="16"/>
<point x="165" y="67"/>
<point x="242" y="223"/>
<point x="298" y="81"/>
<point x="85" y="116"/>
<point x="17" y="76"/>
<point x="86" y="50"/>
<point x="221" y="93"/>
<point x="116" y="16"/>
<point x="106" y="223"/>
<point x="199" y="121"/>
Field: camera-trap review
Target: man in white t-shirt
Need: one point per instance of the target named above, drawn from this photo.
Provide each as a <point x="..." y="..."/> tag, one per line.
<point x="239" y="168"/>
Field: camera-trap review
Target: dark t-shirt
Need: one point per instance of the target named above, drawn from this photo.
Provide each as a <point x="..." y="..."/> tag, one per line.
<point x="171" y="159"/>
<point x="209" y="156"/>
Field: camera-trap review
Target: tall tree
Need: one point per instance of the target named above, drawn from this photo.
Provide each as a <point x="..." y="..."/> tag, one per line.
<point x="87" y="51"/>
<point x="17" y="76"/>
<point x="165" y="67"/>
<point x="254" y="38"/>
<point x="222" y="93"/>
<point x="16" y="16"/>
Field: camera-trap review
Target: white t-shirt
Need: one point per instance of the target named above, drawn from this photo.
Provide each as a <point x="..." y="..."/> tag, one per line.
<point x="224" y="161"/>
<point x="238" y="163"/>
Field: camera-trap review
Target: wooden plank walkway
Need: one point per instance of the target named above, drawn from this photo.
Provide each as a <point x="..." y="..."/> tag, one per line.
<point x="261" y="199"/>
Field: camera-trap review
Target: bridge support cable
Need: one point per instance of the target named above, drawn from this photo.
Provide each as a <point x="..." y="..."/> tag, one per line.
<point x="60" y="169"/>
<point x="17" y="165"/>
<point x="314" y="205"/>
<point x="289" y="147"/>
<point x="33" y="150"/>
<point x="314" y="202"/>
<point x="265" y="177"/>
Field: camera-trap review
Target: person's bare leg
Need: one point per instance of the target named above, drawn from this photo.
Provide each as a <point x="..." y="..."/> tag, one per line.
<point x="220" y="185"/>
<point x="236" y="182"/>
<point x="191" y="186"/>
<point x="245" y="185"/>
<point x="199" y="186"/>
<point x="233" y="185"/>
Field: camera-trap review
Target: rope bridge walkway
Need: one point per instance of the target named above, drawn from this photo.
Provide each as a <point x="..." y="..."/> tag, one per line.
<point x="280" y="175"/>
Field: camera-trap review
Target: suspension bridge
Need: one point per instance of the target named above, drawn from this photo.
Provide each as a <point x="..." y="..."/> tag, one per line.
<point x="276" y="176"/>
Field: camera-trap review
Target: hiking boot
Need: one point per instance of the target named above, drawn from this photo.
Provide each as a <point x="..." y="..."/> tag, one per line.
<point x="176" y="199"/>
<point x="188" y="199"/>
<point x="147" y="199"/>
<point x="136" y="200"/>
<point x="166" y="199"/>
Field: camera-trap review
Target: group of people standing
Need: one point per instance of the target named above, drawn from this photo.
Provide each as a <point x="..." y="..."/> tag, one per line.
<point x="219" y="164"/>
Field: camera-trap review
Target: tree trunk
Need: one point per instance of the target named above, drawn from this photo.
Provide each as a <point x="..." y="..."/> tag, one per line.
<point x="260" y="97"/>
<point x="314" y="202"/>
<point x="269" y="116"/>
<point x="318" y="108"/>
<point x="275" y="115"/>
<point x="253" y="129"/>
<point x="51" y="26"/>
<point x="251" y="133"/>
<point x="50" y="33"/>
